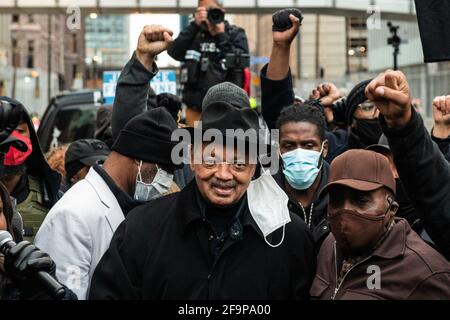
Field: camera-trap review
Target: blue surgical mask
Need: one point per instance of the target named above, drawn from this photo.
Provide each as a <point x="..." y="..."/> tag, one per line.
<point x="301" y="167"/>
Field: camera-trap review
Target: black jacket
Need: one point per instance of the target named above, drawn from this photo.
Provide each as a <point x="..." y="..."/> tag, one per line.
<point x="161" y="251"/>
<point x="319" y="225"/>
<point x="132" y="91"/>
<point x="425" y="175"/>
<point x="434" y="25"/>
<point x="444" y="146"/>
<point x="132" y="98"/>
<point x="195" y="44"/>
<point x="278" y="94"/>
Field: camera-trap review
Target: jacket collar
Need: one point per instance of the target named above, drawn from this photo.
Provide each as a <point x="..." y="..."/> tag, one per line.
<point x="320" y="200"/>
<point x="114" y="213"/>
<point x="395" y="243"/>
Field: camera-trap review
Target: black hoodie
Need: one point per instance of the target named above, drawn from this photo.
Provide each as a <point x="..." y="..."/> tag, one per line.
<point x="36" y="163"/>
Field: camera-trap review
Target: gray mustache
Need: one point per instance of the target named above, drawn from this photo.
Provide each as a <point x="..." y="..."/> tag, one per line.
<point x="222" y="184"/>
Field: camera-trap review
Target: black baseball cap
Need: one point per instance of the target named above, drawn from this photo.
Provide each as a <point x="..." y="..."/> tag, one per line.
<point x="84" y="153"/>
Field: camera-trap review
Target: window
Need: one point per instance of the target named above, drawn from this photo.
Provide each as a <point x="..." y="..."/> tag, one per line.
<point x="15" y="18"/>
<point x="30" y="56"/>
<point x="74" y="71"/>
<point x="16" y="54"/>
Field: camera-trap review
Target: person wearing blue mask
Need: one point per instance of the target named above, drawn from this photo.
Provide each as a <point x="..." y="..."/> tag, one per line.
<point x="303" y="147"/>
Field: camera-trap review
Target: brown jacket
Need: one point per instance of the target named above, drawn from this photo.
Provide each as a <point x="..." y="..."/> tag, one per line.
<point x="408" y="269"/>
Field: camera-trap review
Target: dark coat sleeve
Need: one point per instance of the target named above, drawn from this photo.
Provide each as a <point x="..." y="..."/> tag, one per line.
<point x="275" y="95"/>
<point x="444" y="146"/>
<point x="118" y="274"/>
<point x="425" y="174"/>
<point x="183" y="42"/>
<point x="304" y="264"/>
<point x="131" y="93"/>
<point x="278" y="94"/>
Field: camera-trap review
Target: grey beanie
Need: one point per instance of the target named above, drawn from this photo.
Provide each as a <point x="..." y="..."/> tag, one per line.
<point x="226" y="92"/>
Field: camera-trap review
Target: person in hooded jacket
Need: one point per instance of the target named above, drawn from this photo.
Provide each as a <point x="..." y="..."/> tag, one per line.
<point x="28" y="177"/>
<point x="421" y="165"/>
<point x="21" y="263"/>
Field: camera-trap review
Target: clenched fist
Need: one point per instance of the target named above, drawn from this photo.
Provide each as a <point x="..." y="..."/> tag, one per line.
<point x="441" y="115"/>
<point x="328" y="93"/>
<point x="285" y="38"/>
<point x="153" y="40"/>
<point x="390" y="93"/>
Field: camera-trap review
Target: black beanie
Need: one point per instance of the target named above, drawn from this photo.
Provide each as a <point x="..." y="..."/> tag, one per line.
<point x="355" y="98"/>
<point x="147" y="137"/>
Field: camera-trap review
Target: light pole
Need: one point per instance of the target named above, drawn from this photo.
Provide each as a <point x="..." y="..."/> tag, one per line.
<point x="14" y="62"/>
<point x="394" y="41"/>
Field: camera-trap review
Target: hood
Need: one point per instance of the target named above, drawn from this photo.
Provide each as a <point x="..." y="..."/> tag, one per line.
<point x="36" y="163"/>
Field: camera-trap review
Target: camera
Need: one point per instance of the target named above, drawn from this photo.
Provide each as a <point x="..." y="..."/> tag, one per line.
<point x="216" y="15"/>
<point x="237" y="60"/>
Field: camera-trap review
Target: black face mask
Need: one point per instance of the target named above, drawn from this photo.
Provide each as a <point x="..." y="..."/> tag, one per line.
<point x="367" y="132"/>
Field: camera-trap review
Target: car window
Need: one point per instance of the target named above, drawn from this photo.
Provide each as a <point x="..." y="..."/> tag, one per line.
<point x="73" y="123"/>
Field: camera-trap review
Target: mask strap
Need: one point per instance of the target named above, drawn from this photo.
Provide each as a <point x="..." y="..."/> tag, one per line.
<point x="281" y="241"/>
<point x="261" y="166"/>
<point x="321" y="156"/>
<point x="139" y="175"/>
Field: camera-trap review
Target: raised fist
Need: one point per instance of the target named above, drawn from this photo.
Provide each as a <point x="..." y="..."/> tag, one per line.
<point x="285" y="38"/>
<point x="441" y="115"/>
<point x="327" y="93"/>
<point x="390" y="93"/>
<point x="153" y="40"/>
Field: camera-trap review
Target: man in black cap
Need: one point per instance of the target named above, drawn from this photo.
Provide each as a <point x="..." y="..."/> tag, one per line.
<point x="81" y="156"/>
<point x="78" y="229"/>
<point x="223" y="236"/>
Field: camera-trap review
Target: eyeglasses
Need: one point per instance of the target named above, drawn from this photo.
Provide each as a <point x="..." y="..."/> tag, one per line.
<point x="367" y="106"/>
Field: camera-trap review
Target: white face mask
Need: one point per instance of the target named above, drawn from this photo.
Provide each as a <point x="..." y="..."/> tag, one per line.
<point x="157" y="188"/>
<point x="268" y="205"/>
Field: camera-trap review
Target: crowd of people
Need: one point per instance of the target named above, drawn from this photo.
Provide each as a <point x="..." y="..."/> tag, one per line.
<point x="358" y="208"/>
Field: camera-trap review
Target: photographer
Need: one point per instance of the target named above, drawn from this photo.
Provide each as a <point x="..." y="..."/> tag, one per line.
<point x="212" y="51"/>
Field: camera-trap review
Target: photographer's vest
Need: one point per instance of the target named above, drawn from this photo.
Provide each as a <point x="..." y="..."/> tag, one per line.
<point x="205" y="68"/>
<point x="32" y="209"/>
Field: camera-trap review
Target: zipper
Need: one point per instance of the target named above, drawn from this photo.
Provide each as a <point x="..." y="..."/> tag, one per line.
<point x="338" y="285"/>
<point x="307" y="219"/>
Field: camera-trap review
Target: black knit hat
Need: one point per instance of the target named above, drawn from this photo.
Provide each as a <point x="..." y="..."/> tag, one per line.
<point x="355" y="98"/>
<point x="147" y="137"/>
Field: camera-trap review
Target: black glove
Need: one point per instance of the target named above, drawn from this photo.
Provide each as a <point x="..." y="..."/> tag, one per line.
<point x="23" y="262"/>
<point x="281" y="21"/>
